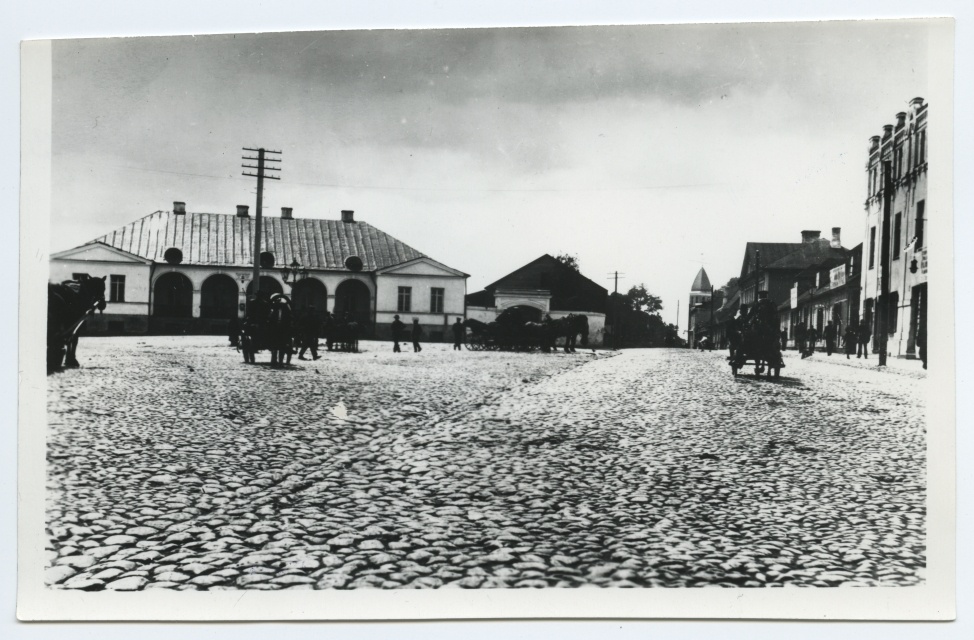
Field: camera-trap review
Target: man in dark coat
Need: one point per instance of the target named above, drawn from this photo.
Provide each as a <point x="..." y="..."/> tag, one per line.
<point x="458" y="333"/>
<point x="417" y="334"/>
<point x="811" y="337"/>
<point x="801" y="334"/>
<point x="830" y="334"/>
<point x="851" y="337"/>
<point x="863" y="339"/>
<point x="308" y="333"/>
<point x="397" y="329"/>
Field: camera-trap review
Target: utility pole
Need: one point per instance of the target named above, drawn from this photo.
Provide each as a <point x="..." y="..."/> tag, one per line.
<point x="616" y="323"/>
<point x="884" y="260"/>
<point x="713" y="324"/>
<point x="261" y="168"/>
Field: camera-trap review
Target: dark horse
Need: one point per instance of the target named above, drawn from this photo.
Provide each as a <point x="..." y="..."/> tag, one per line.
<point x="569" y="328"/>
<point x="68" y="306"/>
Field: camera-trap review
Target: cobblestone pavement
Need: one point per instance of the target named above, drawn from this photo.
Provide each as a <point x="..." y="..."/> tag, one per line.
<point x="173" y="465"/>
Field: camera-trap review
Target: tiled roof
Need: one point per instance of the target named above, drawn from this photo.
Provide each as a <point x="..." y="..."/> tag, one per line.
<point x="770" y="251"/>
<point x="806" y="255"/>
<point x="222" y="239"/>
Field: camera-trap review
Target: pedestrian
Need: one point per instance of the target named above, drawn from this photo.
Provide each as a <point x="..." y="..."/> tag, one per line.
<point x="921" y="342"/>
<point x="233" y="331"/>
<point x="830" y="334"/>
<point x="811" y="337"/>
<point x="863" y="337"/>
<point x="851" y="338"/>
<point x="458" y="333"/>
<point x="417" y="334"/>
<point x="801" y="333"/>
<point x="783" y="337"/>
<point x="308" y="333"/>
<point x="397" y="329"/>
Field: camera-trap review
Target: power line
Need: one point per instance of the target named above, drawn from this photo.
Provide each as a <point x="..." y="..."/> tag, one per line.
<point x="329" y="185"/>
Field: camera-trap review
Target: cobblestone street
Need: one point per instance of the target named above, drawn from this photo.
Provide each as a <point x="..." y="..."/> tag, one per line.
<point x="171" y="464"/>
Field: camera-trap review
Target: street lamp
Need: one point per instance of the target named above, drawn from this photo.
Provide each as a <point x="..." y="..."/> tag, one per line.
<point x="294" y="273"/>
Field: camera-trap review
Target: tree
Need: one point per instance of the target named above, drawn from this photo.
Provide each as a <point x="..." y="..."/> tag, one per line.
<point x="568" y="259"/>
<point x="731" y="284"/>
<point x="641" y="300"/>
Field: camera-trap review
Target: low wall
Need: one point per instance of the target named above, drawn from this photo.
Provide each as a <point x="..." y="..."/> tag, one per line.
<point x="596" y="321"/>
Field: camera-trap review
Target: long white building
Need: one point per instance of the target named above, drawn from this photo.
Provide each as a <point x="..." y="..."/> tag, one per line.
<point x="181" y="272"/>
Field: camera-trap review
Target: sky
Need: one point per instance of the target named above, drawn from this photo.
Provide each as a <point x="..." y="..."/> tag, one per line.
<point x="645" y="150"/>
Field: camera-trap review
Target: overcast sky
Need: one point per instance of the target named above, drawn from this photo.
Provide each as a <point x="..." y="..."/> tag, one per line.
<point x="648" y="150"/>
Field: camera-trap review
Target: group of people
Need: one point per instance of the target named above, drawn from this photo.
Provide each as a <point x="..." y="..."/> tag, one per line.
<point x="856" y="338"/>
<point x="416" y="333"/>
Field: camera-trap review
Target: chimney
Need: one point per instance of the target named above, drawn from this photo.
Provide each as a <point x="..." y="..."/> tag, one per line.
<point x="810" y="236"/>
<point x="836" y="238"/>
<point x="179" y="208"/>
<point x="243" y="211"/>
<point x="887" y="131"/>
<point x="916" y="103"/>
<point x="900" y="120"/>
<point x="873" y="143"/>
<point x="348" y="216"/>
<point x="286" y="213"/>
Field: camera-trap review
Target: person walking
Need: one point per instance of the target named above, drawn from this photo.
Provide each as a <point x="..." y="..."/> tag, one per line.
<point x="397" y="329"/>
<point x="851" y="338"/>
<point x="458" y="333"/>
<point x="863" y="340"/>
<point x="830" y="334"/>
<point x="783" y="339"/>
<point x="801" y="333"/>
<point x="811" y="337"/>
<point x="417" y="334"/>
<point x="308" y="328"/>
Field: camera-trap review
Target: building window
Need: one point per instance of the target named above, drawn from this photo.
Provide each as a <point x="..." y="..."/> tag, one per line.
<point x="405" y="303"/>
<point x="898" y="161"/>
<point x="117" y="289"/>
<point x="919" y="226"/>
<point x="436" y="300"/>
<point x="897" y="232"/>
<point x="79" y="276"/>
<point x="921" y="147"/>
<point x="872" y="247"/>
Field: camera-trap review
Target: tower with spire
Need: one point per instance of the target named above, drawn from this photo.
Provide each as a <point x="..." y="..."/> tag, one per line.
<point x="700" y="290"/>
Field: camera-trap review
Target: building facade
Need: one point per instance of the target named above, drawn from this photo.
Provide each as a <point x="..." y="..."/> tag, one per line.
<point x="896" y="199"/>
<point x="180" y="272"/>
<point x="544" y="286"/>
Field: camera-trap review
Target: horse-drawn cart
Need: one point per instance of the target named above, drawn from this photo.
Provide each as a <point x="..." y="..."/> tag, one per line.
<point x="510" y="332"/>
<point x="758" y="346"/>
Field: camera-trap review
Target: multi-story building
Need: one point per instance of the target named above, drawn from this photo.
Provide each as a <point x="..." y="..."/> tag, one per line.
<point x="897" y="162"/>
<point x="181" y="272"/>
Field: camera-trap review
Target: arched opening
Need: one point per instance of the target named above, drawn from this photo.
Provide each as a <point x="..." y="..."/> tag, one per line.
<point x="173" y="296"/>
<point x="309" y="292"/>
<point x="353" y="297"/>
<point x="218" y="297"/>
<point x="268" y="287"/>
<point x="522" y="313"/>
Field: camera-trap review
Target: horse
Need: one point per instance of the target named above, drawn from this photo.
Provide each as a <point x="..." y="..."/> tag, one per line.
<point x="569" y="328"/>
<point x="68" y="306"/>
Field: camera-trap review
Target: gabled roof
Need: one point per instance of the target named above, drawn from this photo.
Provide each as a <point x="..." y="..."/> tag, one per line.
<point x="95" y="251"/>
<point x="548" y="261"/>
<point x="701" y="282"/>
<point x="223" y="239"/>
